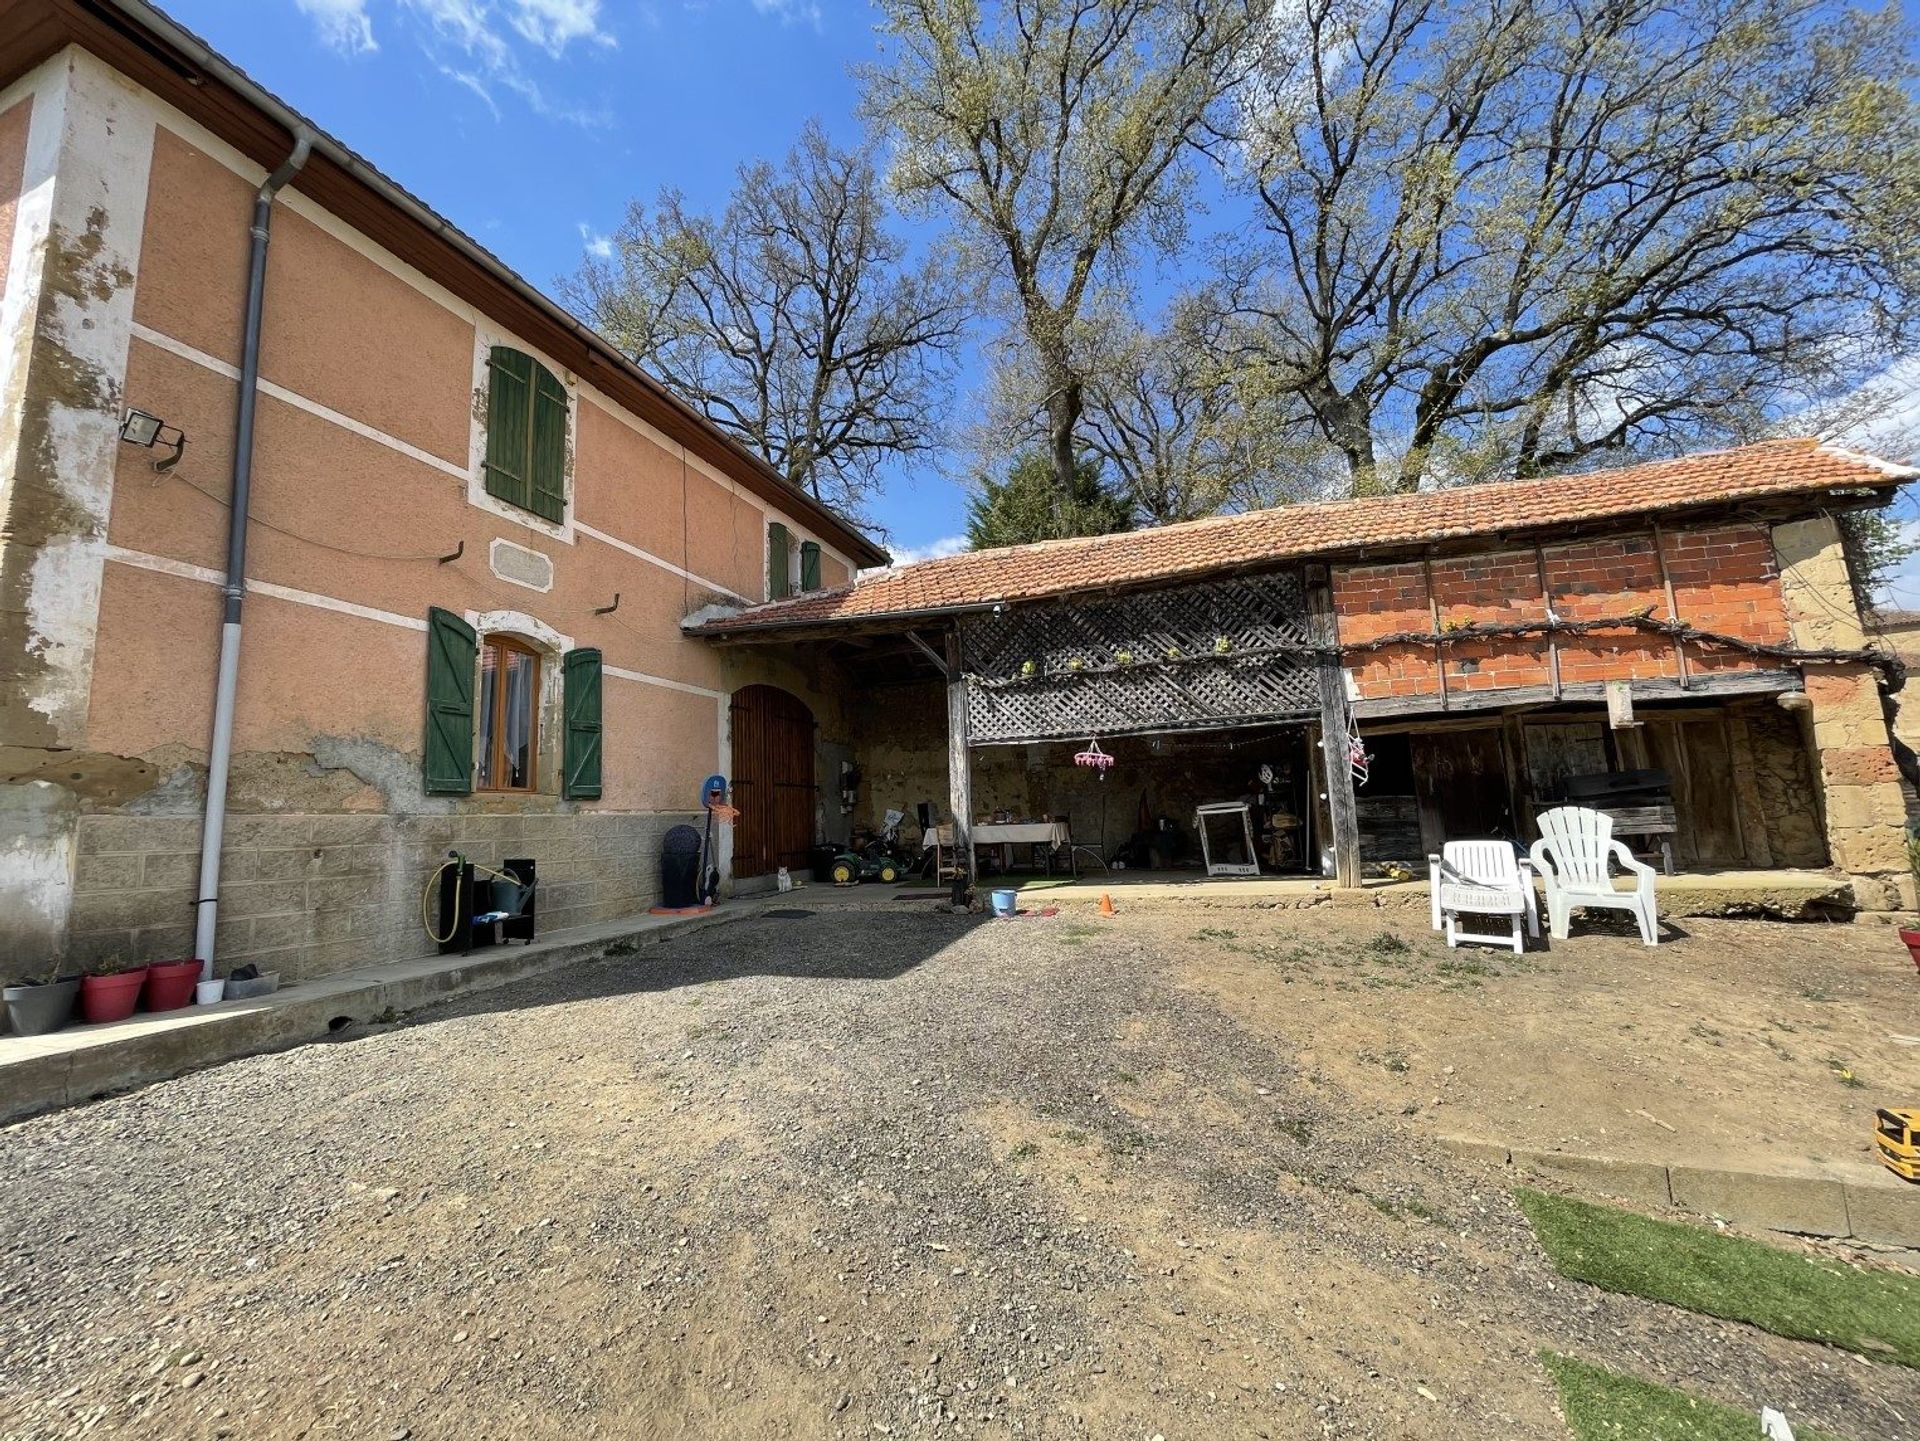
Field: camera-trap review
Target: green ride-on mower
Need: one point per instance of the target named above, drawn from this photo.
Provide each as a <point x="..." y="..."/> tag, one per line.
<point x="849" y="868"/>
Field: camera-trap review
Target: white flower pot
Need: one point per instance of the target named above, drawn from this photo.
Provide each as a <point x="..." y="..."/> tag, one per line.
<point x="207" y="992"/>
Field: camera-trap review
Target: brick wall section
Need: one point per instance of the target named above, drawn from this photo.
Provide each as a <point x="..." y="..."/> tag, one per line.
<point x="311" y="895"/>
<point x="1378" y="600"/>
<point x="1724" y="579"/>
<point x="1728" y="580"/>
<point x="1499" y="588"/>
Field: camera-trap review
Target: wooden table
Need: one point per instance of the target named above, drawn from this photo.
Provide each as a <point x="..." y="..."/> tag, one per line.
<point x="1005" y="834"/>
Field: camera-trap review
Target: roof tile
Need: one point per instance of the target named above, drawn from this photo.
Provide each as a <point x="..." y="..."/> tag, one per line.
<point x="981" y="578"/>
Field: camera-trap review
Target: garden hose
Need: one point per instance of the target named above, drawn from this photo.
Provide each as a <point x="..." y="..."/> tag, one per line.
<point x="459" y="862"/>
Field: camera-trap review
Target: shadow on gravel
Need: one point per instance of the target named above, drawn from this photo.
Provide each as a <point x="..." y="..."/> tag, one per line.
<point x="823" y="946"/>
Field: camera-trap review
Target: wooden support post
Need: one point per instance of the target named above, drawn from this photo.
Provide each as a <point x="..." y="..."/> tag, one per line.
<point x="959" y="763"/>
<point x="1546" y="602"/>
<point x="1673" y="607"/>
<point x="1335" y="741"/>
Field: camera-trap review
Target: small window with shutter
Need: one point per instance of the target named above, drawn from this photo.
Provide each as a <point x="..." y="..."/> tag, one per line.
<point x="526" y="462"/>
<point x="809" y="565"/>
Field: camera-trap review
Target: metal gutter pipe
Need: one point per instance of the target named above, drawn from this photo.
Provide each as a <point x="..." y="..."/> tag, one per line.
<point x="233" y="593"/>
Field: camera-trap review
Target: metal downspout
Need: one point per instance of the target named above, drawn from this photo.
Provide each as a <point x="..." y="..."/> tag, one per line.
<point x="220" y="752"/>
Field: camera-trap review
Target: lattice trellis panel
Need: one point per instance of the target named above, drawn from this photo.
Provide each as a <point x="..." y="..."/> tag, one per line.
<point x="1179" y="659"/>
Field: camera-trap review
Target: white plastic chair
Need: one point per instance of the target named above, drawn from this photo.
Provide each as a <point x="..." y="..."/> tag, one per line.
<point x="1574" y="856"/>
<point x="1481" y="878"/>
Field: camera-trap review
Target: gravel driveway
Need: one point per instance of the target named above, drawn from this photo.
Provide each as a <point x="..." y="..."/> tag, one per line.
<point x="854" y="1173"/>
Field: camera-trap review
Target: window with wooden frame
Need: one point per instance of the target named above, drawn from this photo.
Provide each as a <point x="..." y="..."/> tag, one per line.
<point x="526" y="462"/>
<point x="509" y="714"/>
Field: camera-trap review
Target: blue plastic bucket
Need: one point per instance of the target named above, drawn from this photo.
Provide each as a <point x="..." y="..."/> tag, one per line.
<point x="1006" y="903"/>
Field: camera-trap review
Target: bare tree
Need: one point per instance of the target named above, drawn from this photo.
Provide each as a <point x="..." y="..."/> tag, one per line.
<point x="1188" y="430"/>
<point x="1506" y="237"/>
<point x="1052" y="132"/>
<point x="794" y="319"/>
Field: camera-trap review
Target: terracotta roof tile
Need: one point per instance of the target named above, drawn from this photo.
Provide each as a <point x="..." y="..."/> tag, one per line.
<point x="981" y="578"/>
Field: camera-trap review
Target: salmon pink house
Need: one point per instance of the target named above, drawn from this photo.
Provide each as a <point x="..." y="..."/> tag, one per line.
<point x="452" y="617"/>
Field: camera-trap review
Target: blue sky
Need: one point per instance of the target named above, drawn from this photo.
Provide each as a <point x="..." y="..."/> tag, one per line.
<point x="531" y="123"/>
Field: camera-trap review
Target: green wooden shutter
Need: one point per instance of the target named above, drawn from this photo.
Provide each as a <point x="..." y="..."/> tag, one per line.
<point x="809" y="565"/>
<point x="452" y="650"/>
<point x="509" y="426"/>
<point x="779" y="577"/>
<point x="549" y="458"/>
<point x="580" y="764"/>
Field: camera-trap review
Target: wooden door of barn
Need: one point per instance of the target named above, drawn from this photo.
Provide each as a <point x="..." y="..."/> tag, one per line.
<point x="1460" y="780"/>
<point x="1693" y="748"/>
<point x="772" y="780"/>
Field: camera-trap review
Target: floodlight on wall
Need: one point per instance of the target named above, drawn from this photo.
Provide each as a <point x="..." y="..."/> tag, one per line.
<point x="139" y="428"/>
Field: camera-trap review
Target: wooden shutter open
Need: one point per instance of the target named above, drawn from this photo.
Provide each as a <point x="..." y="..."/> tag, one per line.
<point x="452" y="651"/>
<point x="548" y="468"/>
<point x="779" y="575"/>
<point x="809" y="565"/>
<point x="580" y="762"/>
<point x="509" y="425"/>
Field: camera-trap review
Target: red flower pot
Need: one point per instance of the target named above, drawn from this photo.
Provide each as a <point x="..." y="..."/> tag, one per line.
<point x="170" y="984"/>
<point x="111" y="998"/>
<point x="1912" y="938"/>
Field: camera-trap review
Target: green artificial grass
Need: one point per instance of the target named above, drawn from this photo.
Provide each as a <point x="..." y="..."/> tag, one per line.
<point x="1874" y="1313"/>
<point x="1603" y="1405"/>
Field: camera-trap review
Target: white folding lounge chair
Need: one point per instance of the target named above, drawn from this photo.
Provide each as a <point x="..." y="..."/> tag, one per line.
<point x="1574" y="856"/>
<point x="1481" y="878"/>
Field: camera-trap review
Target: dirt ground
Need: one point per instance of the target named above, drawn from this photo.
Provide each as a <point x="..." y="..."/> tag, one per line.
<point x="866" y="1173"/>
<point x="1743" y="1044"/>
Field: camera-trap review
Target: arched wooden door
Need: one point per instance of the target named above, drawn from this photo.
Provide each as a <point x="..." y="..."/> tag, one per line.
<point x="772" y="780"/>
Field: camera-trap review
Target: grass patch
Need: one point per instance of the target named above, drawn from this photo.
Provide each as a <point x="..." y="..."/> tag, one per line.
<point x="1215" y="933"/>
<point x="1603" y="1405"/>
<point x="1025" y="1151"/>
<point x="1386" y="946"/>
<point x="1294" y="1128"/>
<point x="1874" y="1313"/>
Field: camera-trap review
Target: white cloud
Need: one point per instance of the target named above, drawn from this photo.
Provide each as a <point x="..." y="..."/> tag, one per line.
<point x="343" y="24"/>
<point x="791" y="12"/>
<point x="933" y="550"/>
<point x="599" y="246"/>
<point x="553" y="24"/>
<point x="478" y="44"/>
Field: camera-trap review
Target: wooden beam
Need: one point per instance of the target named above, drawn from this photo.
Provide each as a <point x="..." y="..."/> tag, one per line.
<point x="1335" y="741"/>
<point x="1673" y="606"/>
<point x="940" y="664"/>
<point x="1701" y="686"/>
<point x="959" y="761"/>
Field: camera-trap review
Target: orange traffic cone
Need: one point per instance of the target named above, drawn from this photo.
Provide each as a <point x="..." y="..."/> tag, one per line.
<point x="1106" y="904"/>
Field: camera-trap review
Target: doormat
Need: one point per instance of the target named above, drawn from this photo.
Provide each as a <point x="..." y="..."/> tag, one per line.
<point x="788" y="915"/>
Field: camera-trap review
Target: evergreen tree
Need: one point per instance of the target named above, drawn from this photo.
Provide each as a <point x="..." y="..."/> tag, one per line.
<point x="1028" y="505"/>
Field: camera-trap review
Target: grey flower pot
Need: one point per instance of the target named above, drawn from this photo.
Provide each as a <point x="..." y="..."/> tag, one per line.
<point x="41" y="1010"/>
<point x="259" y="986"/>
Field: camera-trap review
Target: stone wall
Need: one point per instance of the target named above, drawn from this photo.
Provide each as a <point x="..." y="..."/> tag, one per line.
<point x="310" y="895"/>
<point x="1861" y="801"/>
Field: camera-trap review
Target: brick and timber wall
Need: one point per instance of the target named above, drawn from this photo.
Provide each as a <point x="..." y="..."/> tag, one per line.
<point x="1781" y="585"/>
<point x="1862" y="803"/>
<point x="1723" y="579"/>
